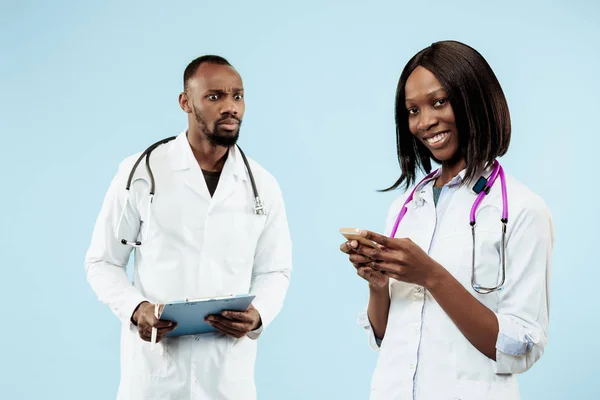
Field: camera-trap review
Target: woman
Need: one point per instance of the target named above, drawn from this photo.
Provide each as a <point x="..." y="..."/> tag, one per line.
<point x="448" y="326"/>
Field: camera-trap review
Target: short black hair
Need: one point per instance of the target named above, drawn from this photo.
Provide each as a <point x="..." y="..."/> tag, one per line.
<point x="480" y="109"/>
<point x="193" y="66"/>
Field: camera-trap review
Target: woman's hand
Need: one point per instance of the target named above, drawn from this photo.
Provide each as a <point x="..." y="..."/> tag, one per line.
<point x="400" y="259"/>
<point x="377" y="280"/>
<point x="405" y="261"/>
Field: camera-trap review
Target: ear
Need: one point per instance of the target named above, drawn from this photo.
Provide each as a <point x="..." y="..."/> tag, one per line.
<point x="184" y="103"/>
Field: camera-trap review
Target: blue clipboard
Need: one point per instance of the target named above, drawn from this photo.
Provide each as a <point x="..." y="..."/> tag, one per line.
<point x="190" y="313"/>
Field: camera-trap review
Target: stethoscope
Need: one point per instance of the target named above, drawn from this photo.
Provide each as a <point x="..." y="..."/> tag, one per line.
<point x="258" y="205"/>
<point x="482" y="187"/>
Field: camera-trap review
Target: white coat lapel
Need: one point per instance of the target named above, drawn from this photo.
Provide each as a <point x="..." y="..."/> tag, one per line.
<point x="182" y="160"/>
<point x="234" y="173"/>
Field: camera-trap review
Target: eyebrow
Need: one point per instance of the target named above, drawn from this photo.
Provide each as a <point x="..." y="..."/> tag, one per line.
<point x="221" y="91"/>
<point x="429" y="94"/>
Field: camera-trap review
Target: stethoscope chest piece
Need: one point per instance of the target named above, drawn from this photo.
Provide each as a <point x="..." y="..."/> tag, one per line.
<point x="259" y="208"/>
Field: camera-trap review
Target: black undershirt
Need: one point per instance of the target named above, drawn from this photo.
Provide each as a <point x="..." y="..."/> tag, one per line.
<point x="212" y="179"/>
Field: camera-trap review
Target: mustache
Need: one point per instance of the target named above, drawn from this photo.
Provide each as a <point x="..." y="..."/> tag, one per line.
<point x="228" y="118"/>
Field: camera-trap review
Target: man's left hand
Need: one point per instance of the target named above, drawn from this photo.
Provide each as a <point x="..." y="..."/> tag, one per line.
<point x="236" y="324"/>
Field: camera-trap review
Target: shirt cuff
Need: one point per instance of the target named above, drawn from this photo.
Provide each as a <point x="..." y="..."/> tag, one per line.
<point x="256" y="333"/>
<point x="513" y="344"/>
<point x="363" y="321"/>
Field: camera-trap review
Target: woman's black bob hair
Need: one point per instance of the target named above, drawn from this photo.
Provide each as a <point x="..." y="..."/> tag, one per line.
<point x="480" y="109"/>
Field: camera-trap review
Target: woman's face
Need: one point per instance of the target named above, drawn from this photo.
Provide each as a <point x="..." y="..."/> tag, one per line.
<point x="430" y="115"/>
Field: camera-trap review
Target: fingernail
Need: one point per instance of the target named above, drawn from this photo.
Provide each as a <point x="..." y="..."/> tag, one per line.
<point x="225" y="313"/>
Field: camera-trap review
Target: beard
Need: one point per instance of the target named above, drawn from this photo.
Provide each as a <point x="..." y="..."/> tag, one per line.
<point x="218" y="136"/>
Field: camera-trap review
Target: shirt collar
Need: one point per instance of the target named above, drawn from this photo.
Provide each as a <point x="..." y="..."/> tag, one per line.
<point x="183" y="158"/>
<point x="457" y="180"/>
<point x="461" y="175"/>
<point x="453" y="182"/>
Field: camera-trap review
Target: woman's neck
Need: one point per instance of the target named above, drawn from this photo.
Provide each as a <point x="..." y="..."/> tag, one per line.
<point x="449" y="171"/>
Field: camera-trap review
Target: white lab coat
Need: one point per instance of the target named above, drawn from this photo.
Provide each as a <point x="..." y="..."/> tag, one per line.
<point x="423" y="355"/>
<point x="197" y="246"/>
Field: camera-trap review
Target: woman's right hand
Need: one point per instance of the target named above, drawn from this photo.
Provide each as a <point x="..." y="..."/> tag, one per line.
<point x="377" y="280"/>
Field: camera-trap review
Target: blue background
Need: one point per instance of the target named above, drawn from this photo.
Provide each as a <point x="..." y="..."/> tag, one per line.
<point x="84" y="84"/>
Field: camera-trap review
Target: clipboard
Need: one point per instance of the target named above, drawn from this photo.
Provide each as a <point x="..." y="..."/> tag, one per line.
<point x="190" y="313"/>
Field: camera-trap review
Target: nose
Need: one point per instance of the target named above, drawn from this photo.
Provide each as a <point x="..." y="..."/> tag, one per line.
<point x="427" y="120"/>
<point x="229" y="107"/>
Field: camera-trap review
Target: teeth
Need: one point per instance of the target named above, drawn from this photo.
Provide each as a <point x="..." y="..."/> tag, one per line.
<point x="437" y="138"/>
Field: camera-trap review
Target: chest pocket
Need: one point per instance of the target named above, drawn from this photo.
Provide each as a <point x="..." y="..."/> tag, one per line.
<point x="233" y="230"/>
<point x="179" y="214"/>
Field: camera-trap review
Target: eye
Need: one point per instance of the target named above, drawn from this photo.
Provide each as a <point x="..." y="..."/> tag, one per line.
<point x="412" y="111"/>
<point x="238" y="96"/>
<point x="213" y="97"/>
<point x="440" y="102"/>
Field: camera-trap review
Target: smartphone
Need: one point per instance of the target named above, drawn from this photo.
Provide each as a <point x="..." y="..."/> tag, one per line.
<point x="354" y="234"/>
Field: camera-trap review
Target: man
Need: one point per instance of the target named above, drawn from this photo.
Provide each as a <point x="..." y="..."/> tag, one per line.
<point x="200" y="237"/>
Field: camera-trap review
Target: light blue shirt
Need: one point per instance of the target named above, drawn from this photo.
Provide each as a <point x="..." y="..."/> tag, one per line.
<point x="441" y="197"/>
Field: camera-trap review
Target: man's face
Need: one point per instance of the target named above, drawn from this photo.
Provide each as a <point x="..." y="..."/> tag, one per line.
<point x="215" y="98"/>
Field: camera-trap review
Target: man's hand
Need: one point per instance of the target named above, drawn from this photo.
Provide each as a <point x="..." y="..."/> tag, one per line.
<point x="236" y="324"/>
<point x="145" y="320"/>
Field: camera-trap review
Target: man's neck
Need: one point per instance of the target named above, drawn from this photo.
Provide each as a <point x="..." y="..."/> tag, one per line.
<point x="209" y="156"/>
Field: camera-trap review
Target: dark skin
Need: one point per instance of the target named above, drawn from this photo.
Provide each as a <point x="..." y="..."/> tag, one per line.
<point x="431" y="120"/>
<point x="231" y="323"/>
<point x="145" y="320"/>
<point x="236" y="324"/>
<point x="214" y="101"/>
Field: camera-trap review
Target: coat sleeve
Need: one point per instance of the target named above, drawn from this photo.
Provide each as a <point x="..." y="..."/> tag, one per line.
<point x="272" y="262"/>
<point x="106" y="258"/>
<point x="523" y="307"/>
